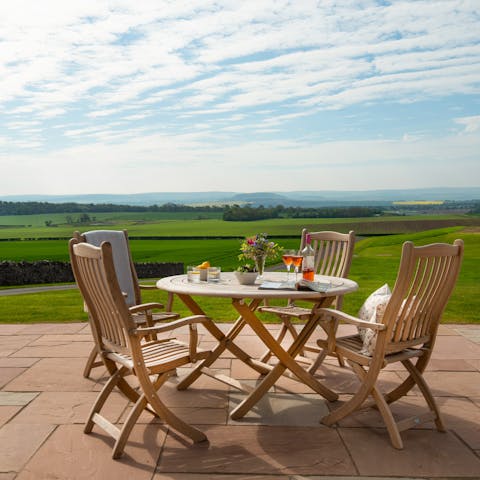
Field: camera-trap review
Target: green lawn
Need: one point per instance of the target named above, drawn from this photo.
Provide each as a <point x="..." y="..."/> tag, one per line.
<point x="375" y="263"/>
<point x="190" y="252"/>
<point x="154" y="225"/>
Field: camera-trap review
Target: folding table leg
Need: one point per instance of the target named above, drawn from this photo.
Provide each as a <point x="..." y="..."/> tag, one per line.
<point x="286" y="361"/>
<point x="225" y="342"/>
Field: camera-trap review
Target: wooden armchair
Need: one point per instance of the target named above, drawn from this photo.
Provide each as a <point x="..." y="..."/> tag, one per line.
<point x="406" y="330"/>
<point x="128" y="281"/>
<point x="126" y="348"/>
<point x="333" y="257"/>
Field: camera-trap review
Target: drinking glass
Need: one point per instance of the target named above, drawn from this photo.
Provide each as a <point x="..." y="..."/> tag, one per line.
<point x="213" y="275"/>
<point x="193" y="274"/>
<point x="287" y="258"/>
<point x="297" y="263"/>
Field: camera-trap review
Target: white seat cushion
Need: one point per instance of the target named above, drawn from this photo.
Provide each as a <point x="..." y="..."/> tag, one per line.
<point x="368" y="313"/>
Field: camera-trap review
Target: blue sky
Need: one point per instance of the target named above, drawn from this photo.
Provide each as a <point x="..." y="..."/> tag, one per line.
<point x="143" y="96"/>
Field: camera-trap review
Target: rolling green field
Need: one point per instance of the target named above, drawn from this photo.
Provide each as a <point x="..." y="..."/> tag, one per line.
<point x="167" y="225"/>
<point x="375" y="262"/>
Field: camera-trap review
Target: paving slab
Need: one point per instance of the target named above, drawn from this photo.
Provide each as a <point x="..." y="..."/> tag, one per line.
<point x="56" y="349"/>
<point x="455" y="347"/>
<point x="450" y="384"/>
<point x="426" y="453"/>
<point x="208" y="476"/>
<point x="9" y="344"/>
<point x="17" y="398"/>
<point x="7" y="412"/>
<point x="45" y="399"/>
<point x="55" y="328"/>
<point x="259" y="450"/>
<point x="9" y="373"/>
<point x="53" y="374"/>
<point x="17" y="362"/>
<point x="56" y="408"/>
<point x="11" y="328"/>
<point x="19" y="443"/>
<point x="283" y="409"/>
<point x="70" y="454"/>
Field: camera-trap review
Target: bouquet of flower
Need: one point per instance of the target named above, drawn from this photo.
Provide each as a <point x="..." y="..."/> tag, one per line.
<point x="258" y="248"/>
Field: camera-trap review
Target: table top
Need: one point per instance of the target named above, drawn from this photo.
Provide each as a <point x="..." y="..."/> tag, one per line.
<point x="229" y="287"/>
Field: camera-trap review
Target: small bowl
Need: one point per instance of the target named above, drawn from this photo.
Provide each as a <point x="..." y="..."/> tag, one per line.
<point x="246" y="278"/>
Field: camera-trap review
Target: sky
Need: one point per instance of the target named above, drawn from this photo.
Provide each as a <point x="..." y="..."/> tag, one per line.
<point x="134" y="96"/>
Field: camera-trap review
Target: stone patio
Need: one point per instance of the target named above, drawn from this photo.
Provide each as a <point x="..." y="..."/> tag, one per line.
<point x="44" y="401"/>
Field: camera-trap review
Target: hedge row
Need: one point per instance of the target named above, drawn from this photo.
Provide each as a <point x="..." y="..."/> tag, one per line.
<point x="45" y="271"/>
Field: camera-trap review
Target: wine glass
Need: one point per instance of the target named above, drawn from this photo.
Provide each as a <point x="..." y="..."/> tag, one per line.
<point x="297" y="262"/>
<point x="288" y="260"/>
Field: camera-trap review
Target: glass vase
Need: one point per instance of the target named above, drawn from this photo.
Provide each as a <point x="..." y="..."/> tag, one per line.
<point x="260" y="265"/>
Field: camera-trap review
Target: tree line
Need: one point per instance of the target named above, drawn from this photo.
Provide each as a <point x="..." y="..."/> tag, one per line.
<point x="231" y="213"/>
<point x="35" y="208"/>
<point x="237" y="213"/>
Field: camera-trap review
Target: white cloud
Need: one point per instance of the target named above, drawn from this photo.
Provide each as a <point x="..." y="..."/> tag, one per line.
<point x="90" y="71"/>
<point x="472" y="124"/>
<point x="185" y="162"/>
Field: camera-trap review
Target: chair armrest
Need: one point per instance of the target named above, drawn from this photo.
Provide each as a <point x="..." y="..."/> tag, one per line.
<point x="192" y="325"/>
<point x="148" y="287"/>
<point x="143" y="307"/>
<point x="167" y="327"/>
<point x="339" y="315"/>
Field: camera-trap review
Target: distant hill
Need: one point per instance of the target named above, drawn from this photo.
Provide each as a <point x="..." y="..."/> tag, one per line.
<point x="155" y="198"/>
<point x="294" y="198"/>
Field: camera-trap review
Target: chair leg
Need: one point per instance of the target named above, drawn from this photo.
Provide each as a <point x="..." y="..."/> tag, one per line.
<point x="317" y="362"/>
<point x="346" y="409"/>
<point x="409" y="382"/>
<point x="91" y="363"/>
<point x="130" y="422"/>
<point x="132" y="418"/>
<point x="163" y="411"/>
<point x="330" y="329"/>
<point x="169" y="305"/>
<point x="422" y="385"/>
<point x="383" y="408"/>
<point x="102" y="397"/>
<point x="366" y="386"/>
<point x="388" y="419"/>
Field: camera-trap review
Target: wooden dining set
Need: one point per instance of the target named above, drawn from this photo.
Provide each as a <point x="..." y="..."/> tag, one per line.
<point x="133" y="339"/>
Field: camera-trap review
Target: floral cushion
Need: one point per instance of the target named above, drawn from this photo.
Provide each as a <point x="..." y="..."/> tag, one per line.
<point x="375" y="303"/>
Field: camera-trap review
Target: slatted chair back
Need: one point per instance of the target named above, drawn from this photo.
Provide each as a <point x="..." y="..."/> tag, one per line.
<point x="129" y="349"/>
<point x="404" y="331"/>
<point x="333" y="251"/>
<point x="333" y="257"/>
<point x="122" y="259"/>
<point x="127" y="280"/>
<point x="425" y="281"/>
<point x="97" y="281"/>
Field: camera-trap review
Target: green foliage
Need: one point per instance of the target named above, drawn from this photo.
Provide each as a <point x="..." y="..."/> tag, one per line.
<point x="237" y="213"/>
<point x="34" y="208"/>
<point x="258" y="246"/>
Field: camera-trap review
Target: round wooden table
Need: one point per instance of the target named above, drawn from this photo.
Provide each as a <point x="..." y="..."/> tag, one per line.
<point x="245" y="300"/>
